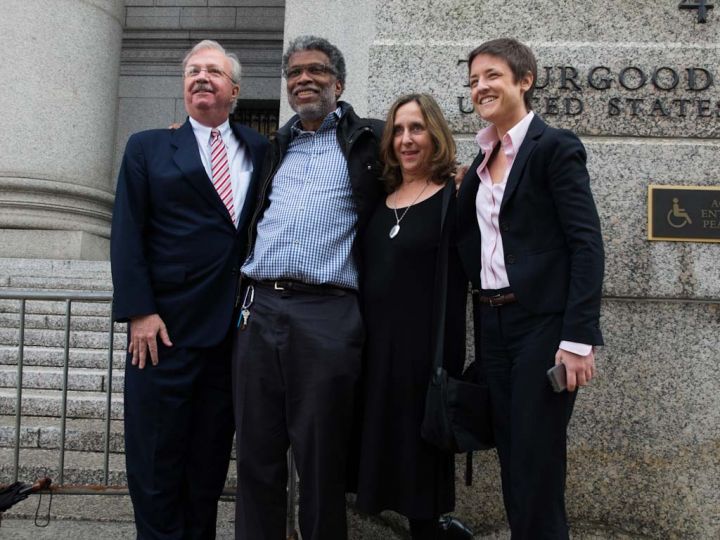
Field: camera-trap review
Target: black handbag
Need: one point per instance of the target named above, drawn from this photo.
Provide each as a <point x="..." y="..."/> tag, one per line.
<point x="457" y="411"/>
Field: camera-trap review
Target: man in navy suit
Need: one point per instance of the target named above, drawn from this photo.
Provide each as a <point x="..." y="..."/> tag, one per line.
<point x="179" y="233"/>
<point x="529" y="238"/>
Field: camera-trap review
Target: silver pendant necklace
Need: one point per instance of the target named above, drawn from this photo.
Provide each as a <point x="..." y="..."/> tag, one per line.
<point x="396" y="228"/>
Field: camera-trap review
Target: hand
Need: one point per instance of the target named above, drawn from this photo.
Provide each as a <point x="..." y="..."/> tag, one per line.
<point x="143" y="337"/>
<point x="460" y="174"/>
<point x="579" y="370"/>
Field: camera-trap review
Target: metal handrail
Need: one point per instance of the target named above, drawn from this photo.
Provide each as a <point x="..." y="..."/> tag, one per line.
<point x="69" y="296"/>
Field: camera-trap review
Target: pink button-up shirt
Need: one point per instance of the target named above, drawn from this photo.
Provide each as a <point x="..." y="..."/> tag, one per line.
<point x="493" y="274"/>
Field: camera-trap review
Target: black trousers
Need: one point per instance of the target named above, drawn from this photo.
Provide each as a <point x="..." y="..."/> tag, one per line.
<point x="178" y="438"/>
<point x="295" y="369"/>
<point x="530" y="420"/>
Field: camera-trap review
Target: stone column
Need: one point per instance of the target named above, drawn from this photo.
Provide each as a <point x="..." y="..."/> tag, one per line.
<point x="59" y="114"/>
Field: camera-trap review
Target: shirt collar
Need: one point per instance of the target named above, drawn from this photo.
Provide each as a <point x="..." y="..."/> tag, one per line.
<point x="487" y="138"/>
<point x="203" y="132"/>
<point x="330" y="122"/>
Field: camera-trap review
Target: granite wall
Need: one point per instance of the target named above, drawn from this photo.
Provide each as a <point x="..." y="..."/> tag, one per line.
<point x="640" y="83"/>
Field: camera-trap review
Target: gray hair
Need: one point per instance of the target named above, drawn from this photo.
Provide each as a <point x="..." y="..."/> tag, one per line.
<point x="314" y="43"/>
<point x="235" y="67"/>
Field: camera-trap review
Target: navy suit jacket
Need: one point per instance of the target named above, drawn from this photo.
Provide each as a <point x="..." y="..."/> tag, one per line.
<point x="174" y="248"/>
<point x="550" y="231"/>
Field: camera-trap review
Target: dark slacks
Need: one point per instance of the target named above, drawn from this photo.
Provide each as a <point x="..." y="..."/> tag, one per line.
<point x="530" y="420"/>
<point x="178" y="438"/>
<point x="295" y="368"/>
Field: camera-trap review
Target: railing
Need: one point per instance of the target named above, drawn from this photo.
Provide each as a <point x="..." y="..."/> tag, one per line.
<point x="58" y="485"/>
<point x="68" y="297"/>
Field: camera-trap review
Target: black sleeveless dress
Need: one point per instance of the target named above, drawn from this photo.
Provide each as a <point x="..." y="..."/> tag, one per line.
<point x="398" y="470"/>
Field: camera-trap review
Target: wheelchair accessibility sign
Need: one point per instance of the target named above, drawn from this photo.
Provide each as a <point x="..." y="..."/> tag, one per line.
<point x="684" y="213"/>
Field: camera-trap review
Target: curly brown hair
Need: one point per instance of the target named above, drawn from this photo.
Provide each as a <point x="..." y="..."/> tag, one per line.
<point x="442" y="161"/>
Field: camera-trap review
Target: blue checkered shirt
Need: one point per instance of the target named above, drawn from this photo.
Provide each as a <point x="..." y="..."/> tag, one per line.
<point x="307" y="231"/>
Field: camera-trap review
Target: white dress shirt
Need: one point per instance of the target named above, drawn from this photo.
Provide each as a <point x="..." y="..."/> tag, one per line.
<point x="493" y="274"/>
<point x="241" y="166"/>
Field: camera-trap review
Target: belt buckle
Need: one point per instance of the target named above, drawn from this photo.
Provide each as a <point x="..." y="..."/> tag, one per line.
<point x="497" y="297"/>
<point x="277" y="287"/>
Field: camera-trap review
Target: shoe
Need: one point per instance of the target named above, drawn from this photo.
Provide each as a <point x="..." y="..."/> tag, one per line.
<point x="452" y="528"/>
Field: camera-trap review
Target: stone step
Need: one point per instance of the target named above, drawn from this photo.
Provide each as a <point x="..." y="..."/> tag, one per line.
<point x="57" y="322"/>
<point x="54" y="307"/>
<point x="81" y="468"/>
<point x="56" y="338"/>
<point x="66" y="283"/>
<point x="89" y="380"/>
<point x="84" y="435"/>
<point x="48" y="403"/>
<point x="54" y="357"/>
<point x="54" y="268"/>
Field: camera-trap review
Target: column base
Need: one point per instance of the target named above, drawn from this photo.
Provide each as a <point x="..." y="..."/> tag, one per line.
<point x="51" y="244"/>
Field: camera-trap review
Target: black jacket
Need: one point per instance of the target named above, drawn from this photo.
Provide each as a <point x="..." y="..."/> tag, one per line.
<point x="359" y="139"/>
<point x="173" y="245"/>
<point x="550" y="231"/>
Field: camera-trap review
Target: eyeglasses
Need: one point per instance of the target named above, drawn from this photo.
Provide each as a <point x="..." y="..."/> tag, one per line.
<point x="214" y="72"/>
<point x="314" y="70"/>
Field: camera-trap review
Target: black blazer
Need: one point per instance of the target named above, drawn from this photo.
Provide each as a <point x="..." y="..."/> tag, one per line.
<point x="174" y="248"/>
<point x="550" y="231"/>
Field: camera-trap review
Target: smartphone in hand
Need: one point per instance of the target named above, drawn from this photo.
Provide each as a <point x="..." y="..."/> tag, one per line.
<point x="557" y="377"/>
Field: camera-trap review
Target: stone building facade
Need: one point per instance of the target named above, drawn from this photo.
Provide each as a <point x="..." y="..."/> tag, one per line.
<point x="639" y="81"/>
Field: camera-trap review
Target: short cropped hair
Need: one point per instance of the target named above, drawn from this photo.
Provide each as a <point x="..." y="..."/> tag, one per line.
<point x="314" y="43"/>
<point x="235" y="67"/>
<point x="442" y="160"/>
<point x="518" y="56"/>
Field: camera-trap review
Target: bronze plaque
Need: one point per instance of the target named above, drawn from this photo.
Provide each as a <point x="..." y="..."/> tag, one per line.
<point x="684" y="213"/>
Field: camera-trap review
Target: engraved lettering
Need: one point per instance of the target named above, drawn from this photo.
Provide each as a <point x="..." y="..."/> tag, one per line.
<point x="636" y="75"/>
<point x="682" y="103"/>
<point x="538" y="84"/>
<point x="465" y="109"/>
<point x="694" y="84"/>
<point x="634" y="105"/>
<point x="601" y="83"/>
<point x="573" y="106"/>
<point x="703" y="106"/>
<point x="551" y="106"/>
<point x="614" y="106"/>
<point x="569" y="74"/>
<point x="658" y="78"/>
<point x="658" y="107"/>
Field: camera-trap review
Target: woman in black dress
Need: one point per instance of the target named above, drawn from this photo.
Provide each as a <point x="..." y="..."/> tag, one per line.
<point x="398" y="470"/>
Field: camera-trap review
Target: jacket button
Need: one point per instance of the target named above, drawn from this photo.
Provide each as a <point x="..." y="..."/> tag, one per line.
<point x="504" y="227"/>
<point x="510" y="259"/>
<point x="234" y="271"/>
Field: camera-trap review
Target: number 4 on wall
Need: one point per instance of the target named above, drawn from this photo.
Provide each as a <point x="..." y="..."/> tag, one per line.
<point x="702" y="7"/>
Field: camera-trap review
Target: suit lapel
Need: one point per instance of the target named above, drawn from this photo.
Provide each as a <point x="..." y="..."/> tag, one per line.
<point x="255" y="158"/>
<point x="468" y="191"/>
<point x="187" y="158"/>
<point x="536" y="128"/>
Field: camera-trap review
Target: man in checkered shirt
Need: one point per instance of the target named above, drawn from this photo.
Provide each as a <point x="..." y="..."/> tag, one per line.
<point x="297" y="351"/>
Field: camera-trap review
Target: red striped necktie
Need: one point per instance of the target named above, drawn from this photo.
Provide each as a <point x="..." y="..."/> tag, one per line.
<point x="221" y="171"/>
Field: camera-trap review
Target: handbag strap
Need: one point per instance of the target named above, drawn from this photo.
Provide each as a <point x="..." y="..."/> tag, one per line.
<point x="441" y="276"/>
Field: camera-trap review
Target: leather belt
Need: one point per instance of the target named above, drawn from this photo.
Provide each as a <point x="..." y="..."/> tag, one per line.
<point x="498" y="299"/>
<point x="286" y="286"/>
